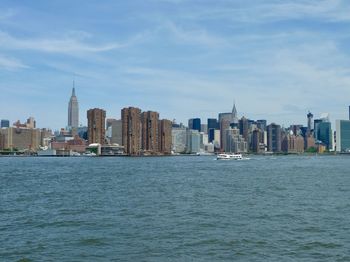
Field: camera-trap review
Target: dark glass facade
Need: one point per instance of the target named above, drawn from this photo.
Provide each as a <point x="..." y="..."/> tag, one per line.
<point x="261" y="124"/>
<point x="195" y="124"/>
<point x="324" y="134"/>
<point x="5" y="123"/>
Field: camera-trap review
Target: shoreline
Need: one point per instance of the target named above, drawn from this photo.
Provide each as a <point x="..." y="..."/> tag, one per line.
<point x="179" y="155"/>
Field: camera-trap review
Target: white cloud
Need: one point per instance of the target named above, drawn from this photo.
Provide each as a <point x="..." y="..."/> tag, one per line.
<point x="195" y="36"/>
<point x="264" y="11"/>
<point x="11" y="63"/>
<point x="66" y="45"/>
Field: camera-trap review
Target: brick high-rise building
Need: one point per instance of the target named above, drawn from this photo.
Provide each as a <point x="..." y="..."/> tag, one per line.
<point x="96" y="125"/>
<point x="149" y="131"/>
<point x="165" y="138"/>
<point x="131" y="130"/>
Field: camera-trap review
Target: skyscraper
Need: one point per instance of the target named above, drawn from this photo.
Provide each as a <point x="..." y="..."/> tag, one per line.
<point x="343" y="135"/>
<point x="73" y="111"/>
<point x="149" y="131"/>
<point x="244" y="128"/>
<point x="212" y="125"/>
<point x="225" y="121"/>
<point x="324" y="134"/>
<point x="131" y="130"/>
<point x="178" y="139"/>
<point x="234" y="121"/>
<point x="316" y="123"/>
<point x="115" y="130"/>
<point x="96" y="125"/>
<point x="257" y="139"/>
<point x="5" y="123"/>
<point x="274" y="138"/>
<point x="261" y="124"/>
<point x="164" y="136"/>
<point x="194" y="124"/>
<point x="310" y="122"/>
<point x="224" y="124"/>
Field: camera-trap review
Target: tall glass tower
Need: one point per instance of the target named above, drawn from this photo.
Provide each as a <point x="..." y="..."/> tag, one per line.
<point x="73" y="111"/>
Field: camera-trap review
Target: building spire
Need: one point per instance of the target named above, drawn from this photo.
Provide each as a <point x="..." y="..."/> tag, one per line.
<point x="73" y="90"/>
<point x="234" y="110"/>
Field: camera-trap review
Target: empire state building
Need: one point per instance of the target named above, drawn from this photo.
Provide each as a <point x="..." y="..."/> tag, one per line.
<point x="73" y="111"/>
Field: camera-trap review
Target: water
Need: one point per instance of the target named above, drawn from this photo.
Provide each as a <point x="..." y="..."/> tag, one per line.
<point x="288" y="208"/>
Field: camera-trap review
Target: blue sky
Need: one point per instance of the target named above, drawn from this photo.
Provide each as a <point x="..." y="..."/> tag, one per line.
<point x="183" y="58"/>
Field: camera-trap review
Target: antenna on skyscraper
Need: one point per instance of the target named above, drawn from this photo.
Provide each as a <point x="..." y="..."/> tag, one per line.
<point x="73" y="91"/>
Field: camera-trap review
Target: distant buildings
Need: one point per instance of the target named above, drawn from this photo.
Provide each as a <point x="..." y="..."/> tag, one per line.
<point x="73" y="111"/>
<point x="261" y="124"/>
<point x="274" y="138"/>
<point x="310" y="123"/>
<point x="257" y="144"/>
<point x="211" y="127"/>
<point x="193" y="141"/>
<point x="144" y="134"/>
<point x="131" y="130"/>
<point x="164" y="136"/>
<point x="114" y="131"/>
<point x="4" y="123"/>
<point x="194" y="124"/>
<point x="324" y="134"/>
<point x="343" y="136"/>
<point x="23" y="137"/>
<point x="96" y="126"/>
<point x="292" y="144"/>
<point x="244" y="127"/>
<point x="179" y="139"/>
<point x="235" y="143"/>
<point x="149" y="131"/>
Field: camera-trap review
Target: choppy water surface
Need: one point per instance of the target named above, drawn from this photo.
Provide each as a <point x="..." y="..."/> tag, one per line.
<point x="290" y="208"/>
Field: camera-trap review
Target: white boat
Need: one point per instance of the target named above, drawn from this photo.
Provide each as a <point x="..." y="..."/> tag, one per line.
<point x="89" y="154"/>
<point x="75" y="154"/>
<point x="229" y="157"/>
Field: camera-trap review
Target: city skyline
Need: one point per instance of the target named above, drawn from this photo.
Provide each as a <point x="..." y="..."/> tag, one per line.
<point x="73" y="102"/>
<point x="277" y="60"/>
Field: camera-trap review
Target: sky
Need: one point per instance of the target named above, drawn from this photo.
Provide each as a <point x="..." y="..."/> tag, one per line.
<point x="277" y="59"/>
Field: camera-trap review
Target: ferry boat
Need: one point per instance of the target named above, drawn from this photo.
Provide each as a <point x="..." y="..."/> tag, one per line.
<point x="229" y="156"/>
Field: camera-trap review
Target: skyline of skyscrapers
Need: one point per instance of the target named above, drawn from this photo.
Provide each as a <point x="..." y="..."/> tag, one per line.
<point x="143" y="133"/>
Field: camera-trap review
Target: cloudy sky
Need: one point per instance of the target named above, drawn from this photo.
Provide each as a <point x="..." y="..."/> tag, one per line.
<point x="183" y="58"/>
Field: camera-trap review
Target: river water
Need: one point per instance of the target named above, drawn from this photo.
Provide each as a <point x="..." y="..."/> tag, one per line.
<point x="285" y="208"/>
